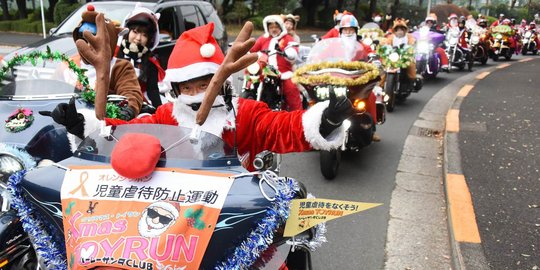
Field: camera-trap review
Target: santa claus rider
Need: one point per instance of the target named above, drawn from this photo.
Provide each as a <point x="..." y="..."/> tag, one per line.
<point x="281" y="55"/>
<point x="197" y="63"/>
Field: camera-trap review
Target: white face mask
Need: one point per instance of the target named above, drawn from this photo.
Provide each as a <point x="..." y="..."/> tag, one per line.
<point x="377" y="19"/>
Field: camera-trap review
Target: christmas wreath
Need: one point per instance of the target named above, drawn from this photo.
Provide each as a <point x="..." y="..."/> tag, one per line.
<point x="368" y="32"/>
<point x="369" y="73"/>
<point x="396" y="57"/>
<point x="87" y="93"/>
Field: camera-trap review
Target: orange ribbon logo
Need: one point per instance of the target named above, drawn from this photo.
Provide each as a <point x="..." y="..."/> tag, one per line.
<point x="82" y="180"/>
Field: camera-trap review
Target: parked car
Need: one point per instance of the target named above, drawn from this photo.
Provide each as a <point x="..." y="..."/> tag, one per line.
<point x="176" y="17"/>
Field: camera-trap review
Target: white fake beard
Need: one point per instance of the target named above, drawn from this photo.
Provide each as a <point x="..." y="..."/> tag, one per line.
<point x="185" y="115"/>
<point x="146" y="228"/>
<point x="350" y="38"/>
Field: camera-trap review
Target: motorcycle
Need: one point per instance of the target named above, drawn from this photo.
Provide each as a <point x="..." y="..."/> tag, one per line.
<point x="500" y="42"/>
<point x="371" y="35"/>
<point x="457" y="55"/>
<point x="245" y="207"/>
<point x="478" y="44"/>
<point x="428" y="61"/>
<point x="332" y="66"/>
<point x="262" y="81"/>
<point x="397" y="85"/>
<point x="529" y="43"/>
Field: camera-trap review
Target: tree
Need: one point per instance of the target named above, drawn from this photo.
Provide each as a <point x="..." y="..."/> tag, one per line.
<point x="5" y="10"/>
<point x="50" y="11"/>
<point x="311" y="7"/>
<point x="21" y="5"/>
<point x="372" y="8"/>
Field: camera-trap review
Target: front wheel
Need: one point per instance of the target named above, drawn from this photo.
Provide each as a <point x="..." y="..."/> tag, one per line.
<point x="330" y="163"/>
<point x="389" y="89"/>
<point x="496" y="57"/>
<point x="470" y="63"/>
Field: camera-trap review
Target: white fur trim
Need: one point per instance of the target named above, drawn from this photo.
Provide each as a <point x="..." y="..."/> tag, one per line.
<point x="91" y="124"/>
<point x="286" y="75"/>
<point x="207" y="50"/>
<point x="190" y="72"/>
<point x="277" y="19"/>
<point x="291" y="54"/>
<point x="311" y="120"/>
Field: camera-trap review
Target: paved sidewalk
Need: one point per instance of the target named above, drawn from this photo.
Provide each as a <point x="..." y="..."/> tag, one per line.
<point x="432" y="223"/>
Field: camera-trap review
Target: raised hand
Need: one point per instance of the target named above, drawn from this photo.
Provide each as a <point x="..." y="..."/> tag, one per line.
<point x="339" y="109"/>
<point x="66" y="114"/>
<point x="97" y="51"/>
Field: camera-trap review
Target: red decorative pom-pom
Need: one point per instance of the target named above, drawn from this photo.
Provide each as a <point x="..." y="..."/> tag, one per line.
<point x="90" y="8"/>
<point x="136" y="155"/>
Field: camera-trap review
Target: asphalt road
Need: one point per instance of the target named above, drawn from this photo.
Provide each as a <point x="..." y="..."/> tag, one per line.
<point x="500" y="148"/>
<point x="358" y="241"/>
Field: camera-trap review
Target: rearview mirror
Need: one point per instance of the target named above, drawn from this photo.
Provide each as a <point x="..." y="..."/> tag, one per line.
<point x="165" y="38"/>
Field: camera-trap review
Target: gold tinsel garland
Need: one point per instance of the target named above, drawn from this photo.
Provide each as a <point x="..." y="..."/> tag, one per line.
<point x="300" y="75"/>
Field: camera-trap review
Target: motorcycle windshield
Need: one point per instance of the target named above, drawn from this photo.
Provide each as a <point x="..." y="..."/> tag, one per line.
<point x="37" y="89"/>
<point x="174" y="141"/>
<point x="335" y="50"/>
<point x="425" y="34"/>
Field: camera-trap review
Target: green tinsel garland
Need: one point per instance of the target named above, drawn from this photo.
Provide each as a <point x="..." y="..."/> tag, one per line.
<point x="406" y="56"/>
<point x="88" y="94"/>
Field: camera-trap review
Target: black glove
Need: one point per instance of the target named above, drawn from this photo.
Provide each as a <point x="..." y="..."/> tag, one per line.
<point x="339" y="109"/>
<point x="127" y="113"/>
<point x="66" y="115"/>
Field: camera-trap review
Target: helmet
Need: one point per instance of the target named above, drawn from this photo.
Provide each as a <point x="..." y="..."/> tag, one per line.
<point x="348" y="21"/>
<point x="143" y="16"/>
<point x="452" y="16"/>
<point x="482" y="22"/>
<point x="506" y="22"/>
<point x="432" y="17"/>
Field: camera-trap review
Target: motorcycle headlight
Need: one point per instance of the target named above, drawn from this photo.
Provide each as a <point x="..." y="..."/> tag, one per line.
<point x="525" y="40"/>
<point x="528" y="34"/>
<point x="394" y="57"/>
<point x="423" y="47"/>
<point x="367" y="41"/>
<point x="8" y="166"/>
<point x="323" y="92"/>
<point x="498" y="36"/>
<point x="475" y="39"/>
<point x="253" y="68"/>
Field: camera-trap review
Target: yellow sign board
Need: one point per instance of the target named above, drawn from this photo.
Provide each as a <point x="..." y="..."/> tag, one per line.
<point x="306" y="213"/>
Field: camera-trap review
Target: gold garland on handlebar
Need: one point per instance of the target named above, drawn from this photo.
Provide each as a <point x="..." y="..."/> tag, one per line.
<point x="301" y="76"/>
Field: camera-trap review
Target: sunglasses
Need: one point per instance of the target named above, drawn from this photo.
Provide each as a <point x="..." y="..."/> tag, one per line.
<point x="162" y="219"/>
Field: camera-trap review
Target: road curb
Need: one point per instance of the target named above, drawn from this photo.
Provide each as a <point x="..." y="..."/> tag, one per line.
<point x="430" y="155"/>
<point x="465" y="242"/>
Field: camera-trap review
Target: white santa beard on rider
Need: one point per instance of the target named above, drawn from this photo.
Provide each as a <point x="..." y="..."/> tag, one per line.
<point x="185" y="115"/>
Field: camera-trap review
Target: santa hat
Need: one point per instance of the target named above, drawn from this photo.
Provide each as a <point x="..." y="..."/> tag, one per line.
<point x="195" y="54"/>
<point x="274" y="19"/>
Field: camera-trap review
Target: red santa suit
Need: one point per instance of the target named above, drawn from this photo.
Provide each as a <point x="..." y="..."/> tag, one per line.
<point x="283" y="63"/>
<point x="332" y="33"/>
<point x="257" y="127"/>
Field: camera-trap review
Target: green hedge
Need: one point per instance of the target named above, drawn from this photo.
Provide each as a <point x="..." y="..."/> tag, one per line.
<point x="63" y="9"/>
<point x="26" y="26"/>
